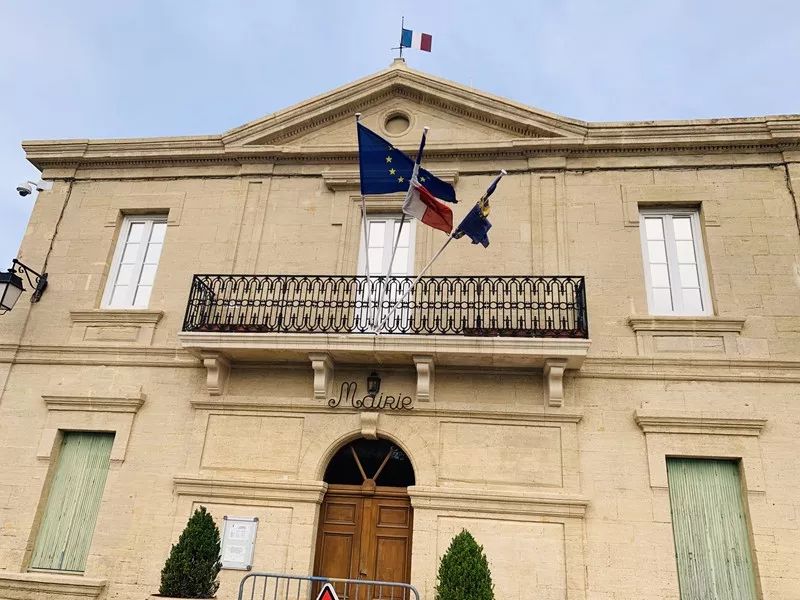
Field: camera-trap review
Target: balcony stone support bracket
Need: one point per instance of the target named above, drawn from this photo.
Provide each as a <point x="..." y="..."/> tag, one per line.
<point x="425" y="376"/>
<point x="553" y="372"/>
<point x="218" y="368"/>
<point x="322" y="364"/>
<point x="219" y="351"/>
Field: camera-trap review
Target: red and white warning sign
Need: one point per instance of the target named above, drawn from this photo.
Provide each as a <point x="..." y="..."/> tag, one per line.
<point x="327" y="593"/>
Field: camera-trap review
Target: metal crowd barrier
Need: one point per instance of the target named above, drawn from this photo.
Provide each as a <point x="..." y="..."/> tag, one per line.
<point x="274" y="586"/>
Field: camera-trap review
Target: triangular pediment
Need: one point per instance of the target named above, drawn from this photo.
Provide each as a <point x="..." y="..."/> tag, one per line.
<point x="397" y="103"/>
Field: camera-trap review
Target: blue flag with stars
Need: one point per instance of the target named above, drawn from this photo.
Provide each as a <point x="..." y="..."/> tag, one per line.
<point x="385" y="169"/>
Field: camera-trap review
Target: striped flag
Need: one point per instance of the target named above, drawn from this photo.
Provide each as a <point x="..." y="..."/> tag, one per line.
<point x="420" y="41"/>
<point x="425" y="207"/>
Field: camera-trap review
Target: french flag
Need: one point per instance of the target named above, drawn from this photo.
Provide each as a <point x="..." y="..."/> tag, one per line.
<point x="425" y="207"/>
<point x="420" y="41"/>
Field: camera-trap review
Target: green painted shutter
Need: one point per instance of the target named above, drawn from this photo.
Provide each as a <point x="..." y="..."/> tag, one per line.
<point x="72" y="504"/>
<point x="710" y="528"/>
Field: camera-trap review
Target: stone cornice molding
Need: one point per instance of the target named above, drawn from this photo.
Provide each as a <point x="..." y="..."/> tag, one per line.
<point x="85" y="412"/>
<point x="717" y="434"/>
<point x="35" y="584"/>
<point x="43" y="156"/>
<point x="532" y="131"/>
<point x="687" y="324"/>
<point x="231" y="489"/>
<point x="238" y="405"/>
<point x="603" y="367"/>
<point x="351" y="180"/>
<point x="698" y="423"/>
<point x="691" y="369"/>
<point x="97" y="355"/>
<point x="118" y="404"/>
<point x="115" y="316"/>
<point x="498" y="502"/>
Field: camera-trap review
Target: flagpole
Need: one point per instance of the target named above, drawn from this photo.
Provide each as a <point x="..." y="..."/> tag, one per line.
<point x="414" y="283"/>
<point x="366" y="249"/>
<point x="366" y="260"/>
<point x="402" y="26"/>
<point x="385" y="284"/>
<point x="450" y="238"/>
<point x="414" y="174"/>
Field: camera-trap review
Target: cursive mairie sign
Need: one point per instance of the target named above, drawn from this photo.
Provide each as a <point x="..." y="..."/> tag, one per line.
<point x="348" y="396"/>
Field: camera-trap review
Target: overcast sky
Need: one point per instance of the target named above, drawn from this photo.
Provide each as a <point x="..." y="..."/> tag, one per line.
<point x="95" y="69"/>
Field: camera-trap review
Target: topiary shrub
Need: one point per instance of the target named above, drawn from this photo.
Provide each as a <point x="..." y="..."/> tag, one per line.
<point x="464" y="572"/>
<point x="193" y="564"/>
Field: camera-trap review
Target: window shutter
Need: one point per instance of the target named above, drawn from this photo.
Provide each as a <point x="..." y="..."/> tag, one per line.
<point x="69" y="518"/>
<point x="710" y="528"/>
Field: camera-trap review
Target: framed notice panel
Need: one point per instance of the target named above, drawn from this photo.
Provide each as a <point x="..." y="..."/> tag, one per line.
<point x="238" y="542"/>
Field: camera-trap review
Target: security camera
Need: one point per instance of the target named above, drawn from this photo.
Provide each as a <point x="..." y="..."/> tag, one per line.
<point x="23" y="189"/>
<point x="26" y="188"/>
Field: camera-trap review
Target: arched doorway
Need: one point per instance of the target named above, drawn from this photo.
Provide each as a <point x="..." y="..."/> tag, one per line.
<point x="365" y="521"/>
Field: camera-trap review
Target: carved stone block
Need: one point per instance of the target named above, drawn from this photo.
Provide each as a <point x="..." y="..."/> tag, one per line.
<point x="554" y="381"/>
<point x="425" y="377"/>
<point x="322" y="364"/>
<point x="217" y="370"/>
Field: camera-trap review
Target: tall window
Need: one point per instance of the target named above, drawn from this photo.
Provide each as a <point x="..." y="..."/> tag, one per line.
<point x="383" y="231"/>
<point x="709" y="524"/>
<point x="133" y="270"/>
<point x="382" y="234"/>
<point x="67" y="525"/>
<point x="674" y="268"/>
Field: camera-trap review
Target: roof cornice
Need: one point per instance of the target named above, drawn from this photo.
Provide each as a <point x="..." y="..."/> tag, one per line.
<point x="83" y="153"/>
<point x="532" y="132"/>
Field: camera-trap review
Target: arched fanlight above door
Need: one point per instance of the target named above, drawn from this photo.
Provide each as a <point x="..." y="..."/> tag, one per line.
<point x="362" y="461"/>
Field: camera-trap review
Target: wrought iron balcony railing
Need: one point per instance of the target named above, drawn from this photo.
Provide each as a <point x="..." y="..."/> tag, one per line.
<point x="519" y="306"/>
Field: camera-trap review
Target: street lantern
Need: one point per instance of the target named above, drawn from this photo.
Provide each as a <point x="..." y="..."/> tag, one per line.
<point x="11" y="285"/>
<point x="10" y="290"/>
<point x="373" y="384"/>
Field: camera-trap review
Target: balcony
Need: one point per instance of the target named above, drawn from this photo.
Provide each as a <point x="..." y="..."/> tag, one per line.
<point x="488" y="321"/>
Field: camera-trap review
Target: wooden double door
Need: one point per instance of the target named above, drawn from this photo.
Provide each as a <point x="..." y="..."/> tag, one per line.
<point x="365" y="533"/>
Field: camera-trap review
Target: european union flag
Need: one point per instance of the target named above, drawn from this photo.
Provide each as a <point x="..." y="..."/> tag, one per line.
<point x="385" y="169"/>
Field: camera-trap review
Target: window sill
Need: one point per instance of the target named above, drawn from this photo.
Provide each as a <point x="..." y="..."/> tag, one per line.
<point x="121" y="326"/>
<point x="686" y="335"/>
<point x="50" y="584"/>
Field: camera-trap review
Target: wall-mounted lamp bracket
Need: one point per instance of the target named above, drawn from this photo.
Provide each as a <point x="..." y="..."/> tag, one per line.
<point x="38" y="281"/>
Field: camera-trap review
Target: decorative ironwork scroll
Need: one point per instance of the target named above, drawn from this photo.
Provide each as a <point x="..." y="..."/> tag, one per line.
<point x="518" y="306"/>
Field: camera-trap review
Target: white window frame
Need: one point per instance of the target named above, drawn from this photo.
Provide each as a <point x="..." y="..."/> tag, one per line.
<point x="127" y="222"/>
<point x="374" y="270"/>
<point x="672" y="260"/>
<point x="373" y="314"/>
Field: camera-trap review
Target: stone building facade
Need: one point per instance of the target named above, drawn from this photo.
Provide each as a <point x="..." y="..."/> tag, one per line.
<point x="566" y="448"/>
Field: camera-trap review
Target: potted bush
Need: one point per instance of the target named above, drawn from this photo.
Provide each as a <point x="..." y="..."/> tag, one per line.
<point x="464" y="571"/>
<point x="193" y="564"/>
